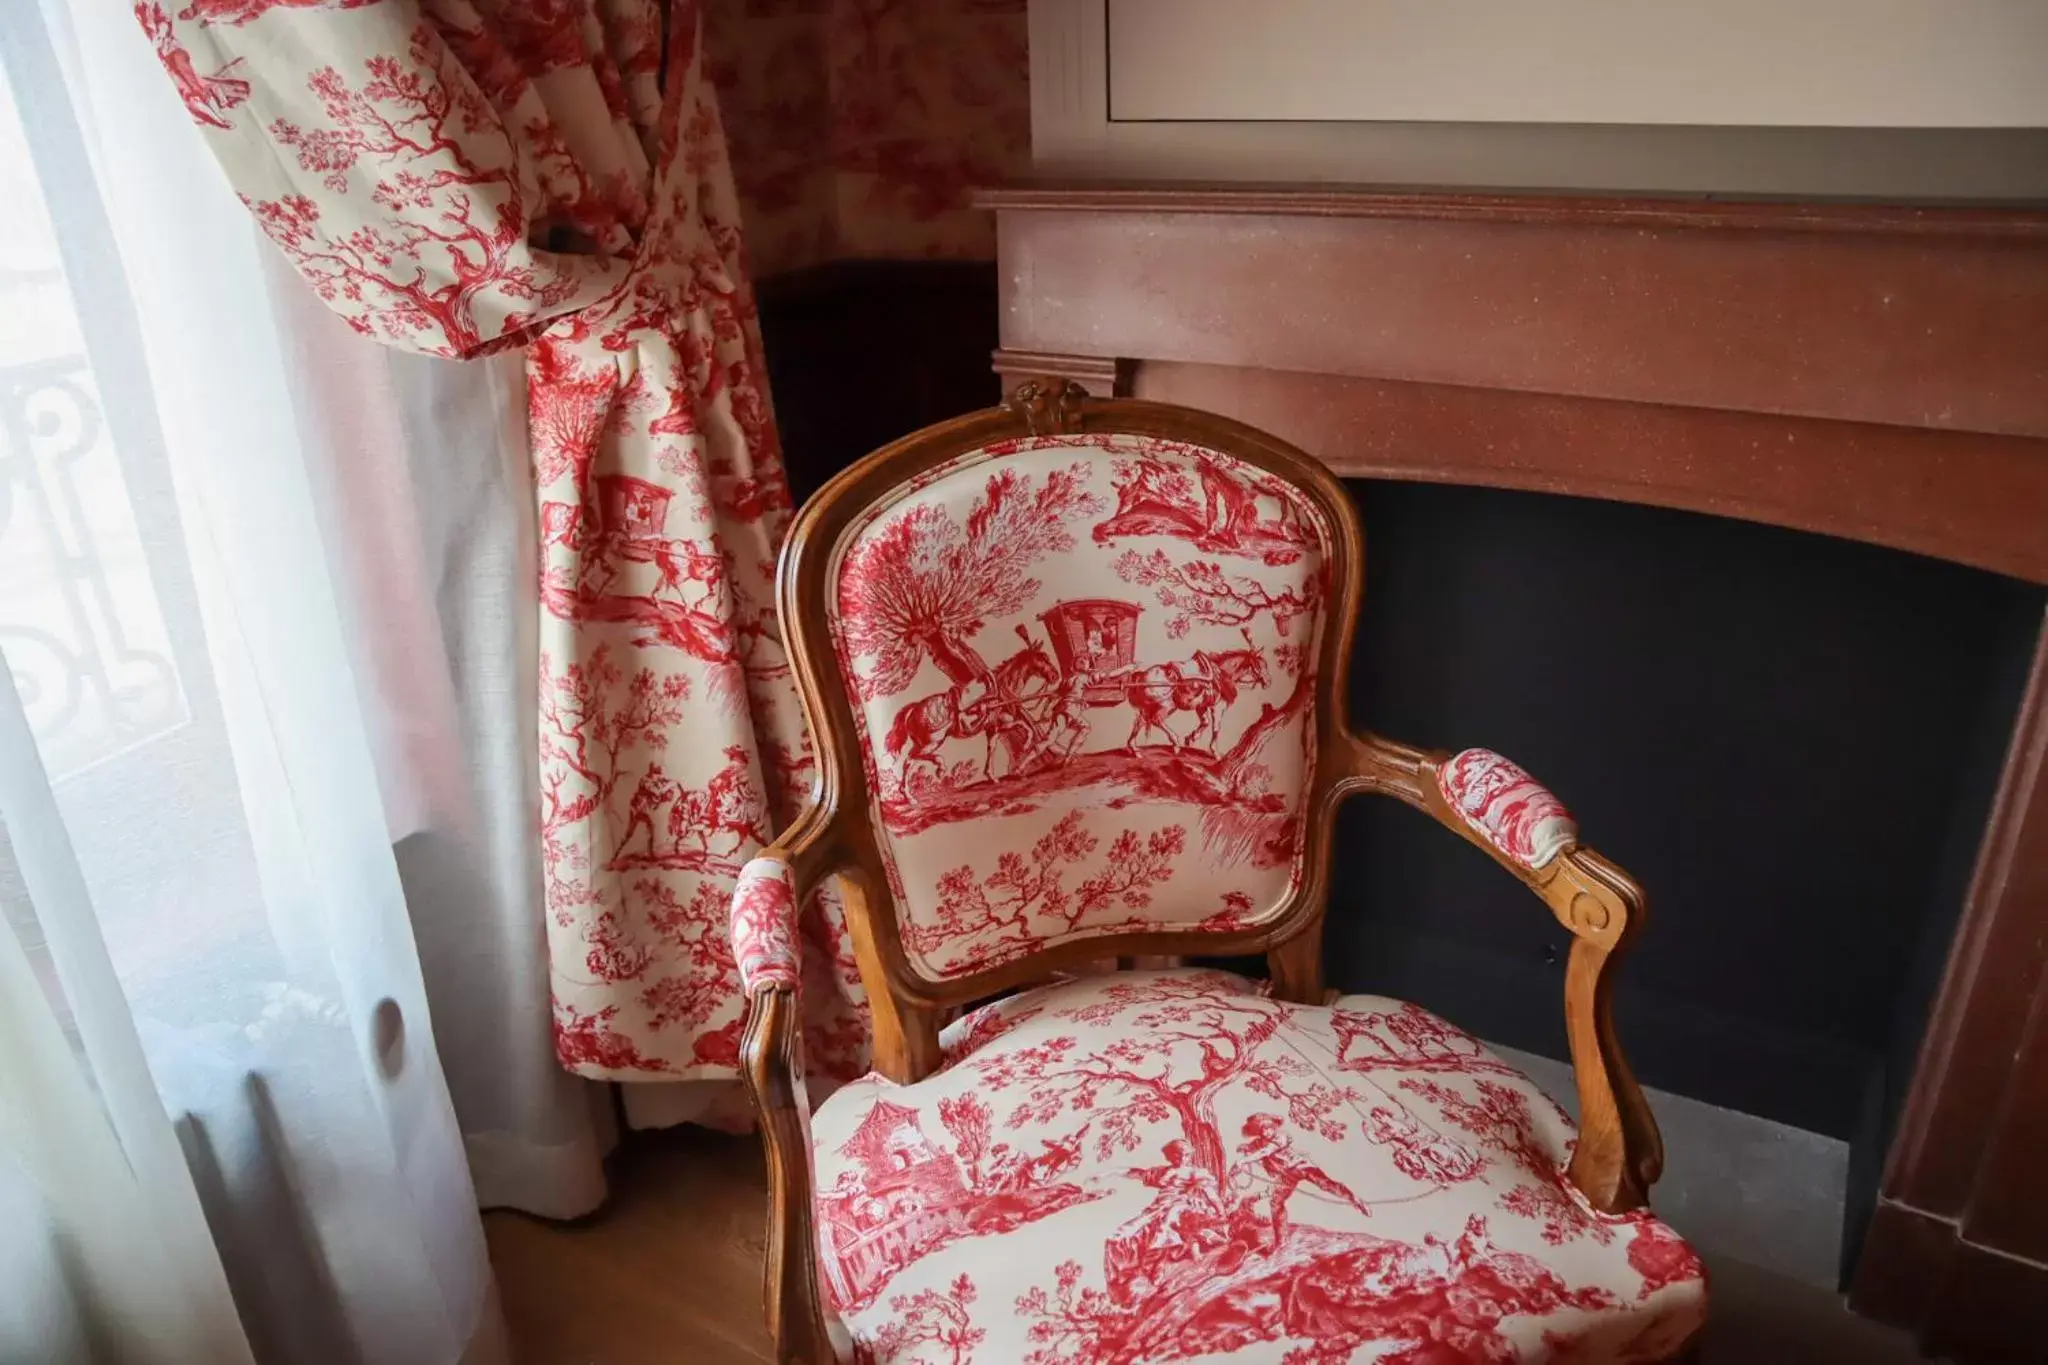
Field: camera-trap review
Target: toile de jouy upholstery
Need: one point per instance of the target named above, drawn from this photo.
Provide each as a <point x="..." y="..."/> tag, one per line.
<point x="1507" y="807"/>
<point x="1095" y="653"/>
<point x="1077" y="671"/>
<point x="1168" y="1166"/>
<point x="763" y="926"/>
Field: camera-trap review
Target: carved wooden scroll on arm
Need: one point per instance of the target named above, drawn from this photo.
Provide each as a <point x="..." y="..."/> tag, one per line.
<point x="1494" y="804"/>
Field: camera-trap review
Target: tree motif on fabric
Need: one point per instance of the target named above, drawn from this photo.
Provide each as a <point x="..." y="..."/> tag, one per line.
<point x="923" y="586"/>
<point x="593" y="1039"/>
<point x="904" y="1196"/>
<point x="965" y="1036"/>
<point x="1026" y="900"/>
<point x="694" y="932"/>
<point x="408" y="125"/>
<point x="238" y="12"/>
<point x="615" y="955"/>
<point x="929" y="1318"/>
<point x="1217" y="1260"/>
<point x="1130" y="1084"/>
<point x="593" y="718"/>
<point x="208" y="95"/>
<point x="567" y="410"/>
<point x="594" y="721"/>
<point x="1200" y="591"/>
<point x="1501" y="1120"/>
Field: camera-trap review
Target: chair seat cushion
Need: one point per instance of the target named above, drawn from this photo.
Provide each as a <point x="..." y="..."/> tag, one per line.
<point x="1153" y="1166"/>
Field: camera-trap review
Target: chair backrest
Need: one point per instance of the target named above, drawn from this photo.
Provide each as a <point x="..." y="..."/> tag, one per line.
<point x="1077" y="663"/>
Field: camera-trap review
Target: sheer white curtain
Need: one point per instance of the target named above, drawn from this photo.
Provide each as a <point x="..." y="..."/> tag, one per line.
<point x="263" y="609"/>
<point x="421" y="475"/>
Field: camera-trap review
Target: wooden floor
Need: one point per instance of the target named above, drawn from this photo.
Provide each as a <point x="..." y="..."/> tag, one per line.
<point x="670" y="1271"/>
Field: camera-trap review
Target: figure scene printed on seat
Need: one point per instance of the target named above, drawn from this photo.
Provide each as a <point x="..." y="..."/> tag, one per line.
<point x="1100" y="651"/>
<point x="1171" y="1166"/>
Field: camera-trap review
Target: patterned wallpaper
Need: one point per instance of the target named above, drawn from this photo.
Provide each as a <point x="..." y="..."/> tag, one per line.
<point x="858" y="126"/>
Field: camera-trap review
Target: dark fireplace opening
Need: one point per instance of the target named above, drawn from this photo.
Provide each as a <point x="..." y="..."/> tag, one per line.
<point x="1790" y="740"/>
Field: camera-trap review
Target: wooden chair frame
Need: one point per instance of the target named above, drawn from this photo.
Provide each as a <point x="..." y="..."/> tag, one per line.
<point x="1619" y="1153"/>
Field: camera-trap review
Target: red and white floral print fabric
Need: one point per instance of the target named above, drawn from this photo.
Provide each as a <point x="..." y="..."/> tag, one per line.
<point x="764" y="926"/>
<point x="458" y="176"/>
<point x="859" y="126"/>
<point x="1169" y="1166"/>
<point x="1510" y="809"/>
<point x="1083" y="665"/>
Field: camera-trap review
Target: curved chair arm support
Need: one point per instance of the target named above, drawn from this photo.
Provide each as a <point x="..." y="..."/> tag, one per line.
<point x="1495" y="805"/>
<point x="765" y="945"/>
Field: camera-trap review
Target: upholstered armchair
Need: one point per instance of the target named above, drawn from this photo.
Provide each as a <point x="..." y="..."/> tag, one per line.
<point x="1076" y="674"/>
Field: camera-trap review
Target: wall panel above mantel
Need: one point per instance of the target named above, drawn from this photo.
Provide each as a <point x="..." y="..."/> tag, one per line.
<point x="1718" y="63"/>
<point x="1074" y="133"/>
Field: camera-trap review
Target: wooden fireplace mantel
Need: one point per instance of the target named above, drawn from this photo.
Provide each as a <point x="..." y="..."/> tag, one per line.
<point x="1872" y="372"/>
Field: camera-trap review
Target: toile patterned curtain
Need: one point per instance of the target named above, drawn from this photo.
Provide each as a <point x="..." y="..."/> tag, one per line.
<point x="461" y="176"/>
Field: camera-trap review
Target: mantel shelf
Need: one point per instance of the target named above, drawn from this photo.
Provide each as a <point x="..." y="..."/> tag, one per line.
<point x="1871" y="371"/>
<point x="1585" y="210"/>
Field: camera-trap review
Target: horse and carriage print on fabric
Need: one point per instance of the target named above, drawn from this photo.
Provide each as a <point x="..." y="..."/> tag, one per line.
<point x="1029" y="708"/>
<point x="1060" y="646"/>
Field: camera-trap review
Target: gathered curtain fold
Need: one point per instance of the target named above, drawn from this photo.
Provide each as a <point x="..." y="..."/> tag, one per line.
<point x="462" y="176"/>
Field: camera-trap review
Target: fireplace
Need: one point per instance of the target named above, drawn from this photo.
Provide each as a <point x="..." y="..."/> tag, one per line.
<point x="1792" y="740"/>
<point x="1729" y="520"/>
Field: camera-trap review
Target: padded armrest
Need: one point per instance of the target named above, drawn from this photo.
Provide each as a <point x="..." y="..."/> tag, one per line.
<point x="1507" y="807"/>
<point x="764" y="941"/>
